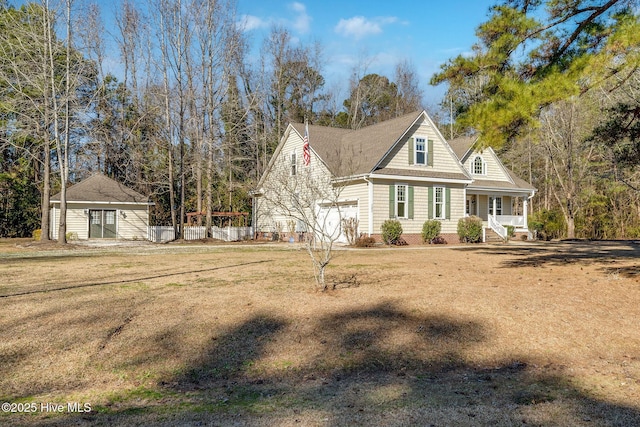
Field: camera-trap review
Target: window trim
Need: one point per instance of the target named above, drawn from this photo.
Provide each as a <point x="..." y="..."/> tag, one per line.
<point x="425" y="150"/>
<point x="293" y="163"/>
<point x="498" y="205"/>
<point x="405" y="202"/>
<point x="483" y="165"/>
<point x="442" y="203"/>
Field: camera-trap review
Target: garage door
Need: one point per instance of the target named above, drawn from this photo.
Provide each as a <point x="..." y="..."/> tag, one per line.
<point x="330" y="220"/>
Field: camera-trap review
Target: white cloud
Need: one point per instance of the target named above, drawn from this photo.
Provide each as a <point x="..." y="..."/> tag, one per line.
<point x="359" y="26"/>
<point x="302" y="21"/>
<point x="250" y="22"/>
<point x="299" y="20"/>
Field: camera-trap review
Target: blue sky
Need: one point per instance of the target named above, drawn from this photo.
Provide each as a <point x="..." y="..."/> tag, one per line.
<point x="427" y="32"/>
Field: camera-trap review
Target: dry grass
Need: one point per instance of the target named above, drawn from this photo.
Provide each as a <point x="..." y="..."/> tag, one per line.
<point x="183" y="335"/>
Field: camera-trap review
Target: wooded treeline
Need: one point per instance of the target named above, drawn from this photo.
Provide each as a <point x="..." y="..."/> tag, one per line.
<point x="554" y="85"/>
<point x="191" y="120"/>
<point x="194" y="113"/>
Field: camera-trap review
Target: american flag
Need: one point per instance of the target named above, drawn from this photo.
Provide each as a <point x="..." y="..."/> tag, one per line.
<point x="306" y="154"/>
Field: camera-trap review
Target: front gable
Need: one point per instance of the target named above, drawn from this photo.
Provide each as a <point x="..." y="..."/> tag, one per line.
<point x="485" y="165"/>
<point x="288" y="160"/>
<point x="422" y="150"/>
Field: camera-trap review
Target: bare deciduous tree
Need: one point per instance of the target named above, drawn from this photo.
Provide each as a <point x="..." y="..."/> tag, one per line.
<point x="312" y="197"/>
<point x="564" y="127"/>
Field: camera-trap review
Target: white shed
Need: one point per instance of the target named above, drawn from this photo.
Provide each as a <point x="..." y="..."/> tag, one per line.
<point x="101" y="208"/>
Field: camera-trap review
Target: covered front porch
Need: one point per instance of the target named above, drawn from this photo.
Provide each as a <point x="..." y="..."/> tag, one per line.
<point x="499" y="210"/>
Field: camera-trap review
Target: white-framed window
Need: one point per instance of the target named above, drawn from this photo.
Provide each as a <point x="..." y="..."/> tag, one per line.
<point x="110" y="217"/>
<point x="294" y="164"/>
<point x="498" y="205"/>
<point x="421" y="151"/>
<point x="479" y="166"/>
<point x="439" y="203"/>
<point x="96" y="217"/>
<point x="401" y="201"/>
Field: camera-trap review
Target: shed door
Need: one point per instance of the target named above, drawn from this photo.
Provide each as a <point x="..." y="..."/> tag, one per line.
<point x="102" y="224"/>
<point x="109" y="224"/>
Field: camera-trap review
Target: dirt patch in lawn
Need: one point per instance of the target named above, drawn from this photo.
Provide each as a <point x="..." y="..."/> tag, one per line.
<point x="517" y="334"/>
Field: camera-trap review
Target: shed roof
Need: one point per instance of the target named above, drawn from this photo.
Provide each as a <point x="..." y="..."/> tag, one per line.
<point x="101" y="189"/>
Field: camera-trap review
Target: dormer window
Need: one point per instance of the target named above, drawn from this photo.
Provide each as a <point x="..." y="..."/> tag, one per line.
<point x="479" y="166"/>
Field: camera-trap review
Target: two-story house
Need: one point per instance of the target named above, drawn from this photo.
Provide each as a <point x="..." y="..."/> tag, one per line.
<point x="401" y="169"/>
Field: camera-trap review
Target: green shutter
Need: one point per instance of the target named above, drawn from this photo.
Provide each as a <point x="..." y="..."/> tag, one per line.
<point x="447" y="203"/>
<point x="430" y="204"/>
<point x="392" y="201"/>
<point x="430" y="154"/>
<point x="412" y="145"/>
<point x="410" y="202"/>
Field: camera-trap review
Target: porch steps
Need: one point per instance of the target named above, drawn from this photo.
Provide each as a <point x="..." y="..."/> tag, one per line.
<point x="492" y="236"/>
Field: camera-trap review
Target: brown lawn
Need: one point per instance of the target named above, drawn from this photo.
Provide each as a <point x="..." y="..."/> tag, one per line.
<point x="499" y="335"/>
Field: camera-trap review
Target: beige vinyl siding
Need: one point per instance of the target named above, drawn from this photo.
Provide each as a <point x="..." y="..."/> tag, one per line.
<point x="358" y="192"/>
<point x="77" y="221"/>
<point x="443" y="158"/>
<point x="132" y="223"/>
<point x="420" y="207"/>
<point x="268" y="217"/>
<point x="131" y="220"/>
<point x="494" y="170"/>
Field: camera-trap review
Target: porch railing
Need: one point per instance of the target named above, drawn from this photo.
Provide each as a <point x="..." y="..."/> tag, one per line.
<point x="515" y="220"/>
<point x="497" y="227"/>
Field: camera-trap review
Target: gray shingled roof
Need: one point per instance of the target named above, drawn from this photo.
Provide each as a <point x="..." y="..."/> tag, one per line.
<point x="521" y="183"/>
<point x="353" y="152"/>
<point x="100" y="188"/>
<point x="462" y="144"/>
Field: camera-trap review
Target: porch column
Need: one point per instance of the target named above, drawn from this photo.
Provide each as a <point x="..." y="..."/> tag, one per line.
<point x="464" y="197"/>
<point x="494" y="208"/>
<point x="370" y="207"/>
<point x="525" y="210"/>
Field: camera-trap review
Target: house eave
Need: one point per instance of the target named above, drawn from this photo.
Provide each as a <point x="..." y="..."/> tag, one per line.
<point x="420" y="178"/>
<point x="473" y="189"/>
<point x="350" y="178"/>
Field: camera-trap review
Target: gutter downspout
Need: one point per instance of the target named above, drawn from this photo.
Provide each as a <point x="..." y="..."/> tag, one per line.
<point x="370" y="206"/>
<point x="526" y="215"/>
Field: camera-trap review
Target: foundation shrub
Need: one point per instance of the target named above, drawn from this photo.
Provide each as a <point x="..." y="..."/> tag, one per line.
<point x="391" y="231"/>
<point x="470" y="229"/>
<point x="430" y="230"/>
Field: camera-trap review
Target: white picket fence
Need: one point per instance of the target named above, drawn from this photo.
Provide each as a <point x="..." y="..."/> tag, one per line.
<point x="158" y="234"/>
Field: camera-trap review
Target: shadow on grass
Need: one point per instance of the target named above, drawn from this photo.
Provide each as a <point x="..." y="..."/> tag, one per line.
<point x="562" y="253"/>
<point x="378" y="365"/>
<point x="630" y="272"/>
